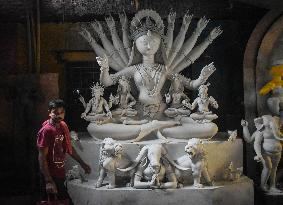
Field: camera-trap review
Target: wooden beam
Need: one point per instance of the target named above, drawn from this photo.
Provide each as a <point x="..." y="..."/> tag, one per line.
<point x="76" y="56"/>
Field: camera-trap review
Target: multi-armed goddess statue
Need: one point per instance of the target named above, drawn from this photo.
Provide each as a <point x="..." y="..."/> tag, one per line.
<point x="149" y="61"/>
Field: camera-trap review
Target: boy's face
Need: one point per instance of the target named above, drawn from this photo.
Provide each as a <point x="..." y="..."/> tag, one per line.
<point x="57" y="114"/>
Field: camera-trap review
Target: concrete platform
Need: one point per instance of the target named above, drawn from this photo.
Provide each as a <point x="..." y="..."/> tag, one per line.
<point x="240" y="193"/>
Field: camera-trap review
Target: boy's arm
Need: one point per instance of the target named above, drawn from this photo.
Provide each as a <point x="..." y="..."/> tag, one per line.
<point x="77" y="157"/>
<point x="43" y="164"/>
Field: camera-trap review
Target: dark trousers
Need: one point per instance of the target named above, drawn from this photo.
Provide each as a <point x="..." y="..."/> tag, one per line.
<point x="62" y="190"/>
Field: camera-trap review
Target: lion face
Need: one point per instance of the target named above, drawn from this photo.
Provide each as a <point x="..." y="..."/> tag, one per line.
<point x="191" y="151"/>
<point x="194" y="148"/>
<point x="118" y="149"/>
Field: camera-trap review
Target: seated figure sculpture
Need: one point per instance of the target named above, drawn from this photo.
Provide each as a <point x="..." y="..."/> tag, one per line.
<point x="124" y="99"/>
<point x="151" y="60"/>
<point x="94" y="110"/>
<point x="203" y="101"/>
<point x="176" y="94"/>
<point x="268" y="148"/>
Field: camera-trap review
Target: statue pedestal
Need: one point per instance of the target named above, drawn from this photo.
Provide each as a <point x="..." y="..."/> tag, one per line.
<point x="219" y="153"/>
<point x="240" y="193"/>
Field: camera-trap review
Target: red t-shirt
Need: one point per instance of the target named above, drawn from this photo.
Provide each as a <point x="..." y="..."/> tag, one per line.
<point x="53" y="138"/>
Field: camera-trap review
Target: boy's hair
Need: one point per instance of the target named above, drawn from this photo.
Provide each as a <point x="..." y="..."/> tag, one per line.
<point x="55" y="104"/>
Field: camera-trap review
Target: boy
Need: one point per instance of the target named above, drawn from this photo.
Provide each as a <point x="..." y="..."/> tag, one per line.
<point x="53" y="142"/>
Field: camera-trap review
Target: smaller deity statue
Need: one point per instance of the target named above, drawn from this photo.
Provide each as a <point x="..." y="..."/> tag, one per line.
<point x="203" y="114"/>
<point x="175" y="96"/>
<point x="154" y="168"/>
<point x="268" y="148"/>
<point x="94" y="111"/>
<point x="124" y="99"/>
<point x="231" y="173"/>
<point x="275" y="86"/>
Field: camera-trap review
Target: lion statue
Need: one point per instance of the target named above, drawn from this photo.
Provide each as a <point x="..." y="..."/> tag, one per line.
<point x="195" y="160"/>
<point x="111" y="157"/>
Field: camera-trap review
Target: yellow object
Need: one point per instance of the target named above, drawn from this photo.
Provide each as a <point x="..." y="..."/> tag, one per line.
<point x="277" y="73"/>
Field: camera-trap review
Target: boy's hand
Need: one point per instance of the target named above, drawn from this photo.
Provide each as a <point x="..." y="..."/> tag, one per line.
<point x="51" y="188"/>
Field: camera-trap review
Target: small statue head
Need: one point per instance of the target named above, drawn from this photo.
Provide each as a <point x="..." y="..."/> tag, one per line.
<point x="203" y="89"/>
<point x="97" y="90"/>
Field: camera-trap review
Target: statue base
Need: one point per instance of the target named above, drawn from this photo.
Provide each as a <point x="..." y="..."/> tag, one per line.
<point x="220" y="153"/>
<point x="240" y="193"/>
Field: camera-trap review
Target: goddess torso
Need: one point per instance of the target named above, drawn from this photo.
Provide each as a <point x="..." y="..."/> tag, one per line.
<point x="149" y="81"/>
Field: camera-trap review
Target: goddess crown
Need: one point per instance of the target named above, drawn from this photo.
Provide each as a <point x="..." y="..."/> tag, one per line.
<point x="144" y="21"/>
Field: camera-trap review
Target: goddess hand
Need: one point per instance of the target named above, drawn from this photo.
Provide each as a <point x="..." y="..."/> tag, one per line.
<point x="207" y="71"/>
<point x="123" y="19"/>
<point x="110" y="22"/>
<point x="215" y="33"/>
<point x="102" y="61"/>
<point x="202" y="23"/>
<point x="171" y="18"/>
<point x="97" y="27"/>
<point x="86" y="34"/>
<point x="187" y="19"/>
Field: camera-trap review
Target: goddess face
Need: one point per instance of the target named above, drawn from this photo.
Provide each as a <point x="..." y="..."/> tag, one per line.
<point x="148" y="44"/>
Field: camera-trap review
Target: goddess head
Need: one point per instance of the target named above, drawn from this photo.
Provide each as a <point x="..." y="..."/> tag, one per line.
<point x="147" y="30"/>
